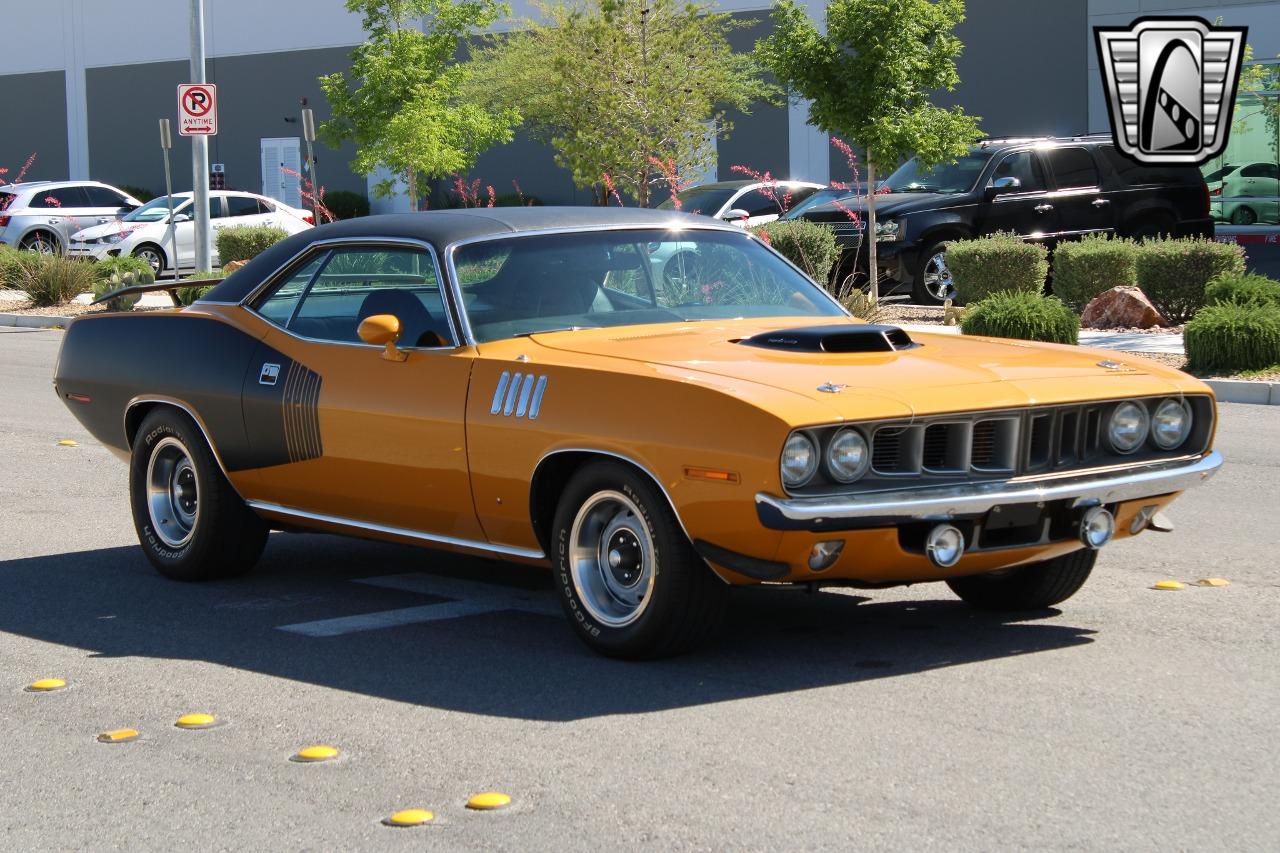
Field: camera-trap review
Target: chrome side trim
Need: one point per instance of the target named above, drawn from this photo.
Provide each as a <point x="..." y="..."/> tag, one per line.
<point x="271" y="280"/>
<point x="843" y="512"/>
<point x="451" y="250"/>
<point x="429" y="538"/>
<point x="503" y="380"/>
<point x="535" y="405"/>
<point x="512" y="390"/>
<point x="522" y="405"/>
<point x="177" y="404"/>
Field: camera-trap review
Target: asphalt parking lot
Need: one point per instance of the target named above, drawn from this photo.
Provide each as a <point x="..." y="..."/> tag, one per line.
<point x="1132" y="719"/>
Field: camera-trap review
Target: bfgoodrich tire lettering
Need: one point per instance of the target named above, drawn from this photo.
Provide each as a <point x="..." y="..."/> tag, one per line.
<point x="653" y="596"/>
<point x="1032" y="587"/>
<point x="190" y="522"/>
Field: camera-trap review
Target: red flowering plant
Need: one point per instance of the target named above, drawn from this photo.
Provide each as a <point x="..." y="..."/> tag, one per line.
<point x="311" y="195"/>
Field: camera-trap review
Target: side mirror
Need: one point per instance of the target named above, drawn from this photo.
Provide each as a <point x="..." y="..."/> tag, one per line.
<point x="382" y="330"/>
<point x="181" y="217"/>
<point x="737" y="216"/>
<point x="1003" y="185"/>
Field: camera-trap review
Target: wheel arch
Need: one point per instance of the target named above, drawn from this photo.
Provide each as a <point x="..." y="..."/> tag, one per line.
<point x="57" y="238"/>
<point x="553" y="472"/>
<point x="137" y="409"/>
<point x="166" y="261"/>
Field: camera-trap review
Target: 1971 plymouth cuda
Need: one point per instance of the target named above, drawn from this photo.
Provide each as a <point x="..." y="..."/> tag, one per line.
<point x="523" y="383"/>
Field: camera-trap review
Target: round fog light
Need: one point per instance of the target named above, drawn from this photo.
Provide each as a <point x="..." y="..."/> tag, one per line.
<point x="1097" y="526"/>
<point x="944" y="545"/>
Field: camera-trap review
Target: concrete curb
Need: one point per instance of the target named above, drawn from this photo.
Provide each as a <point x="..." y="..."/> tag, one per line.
<point x="1244" y="391"/>
<point x="33" y="321"/>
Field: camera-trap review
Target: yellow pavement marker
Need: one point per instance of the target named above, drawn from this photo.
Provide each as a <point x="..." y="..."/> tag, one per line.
<point x="196" y="721"/>
<point x="312" y="754"/>
<point x="1169" y="585"/>
<point x="118" y="736"/>
<point x="488" y="801"/>
<point x="409" y="817"/>
<point x="68" y="442"/>
<point x="46" y="685"/>
<point x="1213" y="582"/>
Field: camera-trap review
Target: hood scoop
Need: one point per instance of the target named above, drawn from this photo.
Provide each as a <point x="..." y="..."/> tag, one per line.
<point x="843" y="338"/>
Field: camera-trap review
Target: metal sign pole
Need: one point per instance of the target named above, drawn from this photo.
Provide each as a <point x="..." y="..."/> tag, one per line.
<point x="166" y="142"/>
<point x="309" y="134"/>
<point x="199" y="149"/>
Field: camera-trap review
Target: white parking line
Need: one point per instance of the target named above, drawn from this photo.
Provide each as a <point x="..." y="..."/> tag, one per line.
<point x="470" y="598"/>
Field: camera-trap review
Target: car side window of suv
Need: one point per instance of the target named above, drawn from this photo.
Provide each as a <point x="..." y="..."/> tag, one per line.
<point x="60" y="197"/>
<point x="1261" y="170"/>
<point x="1073" y="168"/>
<point x="103" y="197"/>
<point x="1025" y="167"/>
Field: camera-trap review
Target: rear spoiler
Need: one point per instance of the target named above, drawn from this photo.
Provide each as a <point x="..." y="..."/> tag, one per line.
<point x="170" y="286"/>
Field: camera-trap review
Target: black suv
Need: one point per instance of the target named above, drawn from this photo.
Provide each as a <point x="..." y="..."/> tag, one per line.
<point x="1045" y="189"/>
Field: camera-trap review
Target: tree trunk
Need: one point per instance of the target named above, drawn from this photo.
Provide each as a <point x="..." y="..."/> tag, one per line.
<point x="869" y="235"/>
<point x="412" y="181"/>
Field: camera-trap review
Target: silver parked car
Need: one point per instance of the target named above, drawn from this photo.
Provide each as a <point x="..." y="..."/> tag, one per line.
<point x="42" y="215"/>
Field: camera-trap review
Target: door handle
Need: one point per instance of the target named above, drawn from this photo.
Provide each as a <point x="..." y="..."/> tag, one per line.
<point x="1101" y="202"/>
<point x="1043" y="208"/>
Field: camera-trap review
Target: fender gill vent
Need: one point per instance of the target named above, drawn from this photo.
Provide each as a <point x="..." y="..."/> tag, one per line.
<point x="842" y="338"/>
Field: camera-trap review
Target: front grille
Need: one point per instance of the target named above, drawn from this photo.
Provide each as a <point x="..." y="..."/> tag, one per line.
<point x="886" y="450"/>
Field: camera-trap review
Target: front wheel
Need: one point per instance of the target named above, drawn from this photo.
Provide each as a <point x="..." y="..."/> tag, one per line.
<point x="629" y="579"/>
<point x="191" y="523"/>
<point x="933" y="283"/>
<point x="1032" y="587"/>
<point x="153" y="256"/>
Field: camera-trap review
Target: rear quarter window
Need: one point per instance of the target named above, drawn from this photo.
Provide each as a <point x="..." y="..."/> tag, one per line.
<point x="6" y="199"/>
<point x="1132" y="172"/>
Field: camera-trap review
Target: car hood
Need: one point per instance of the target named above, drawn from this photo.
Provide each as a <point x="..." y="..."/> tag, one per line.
<point x="942" y="373"/>
<point x="103" y="230"/>
<point x="887" y="204"/>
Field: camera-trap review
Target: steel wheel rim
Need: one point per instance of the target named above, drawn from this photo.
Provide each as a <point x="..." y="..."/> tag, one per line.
<point x="611" y="558"/>
<point x="173" y="489"/>
<point x="937" y="278"/>
<point x="152" y="258"/>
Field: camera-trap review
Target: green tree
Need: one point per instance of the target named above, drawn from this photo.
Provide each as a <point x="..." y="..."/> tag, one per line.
<point x="404" y="104"/>
<point x="629" y="89"/>
<point x="869" y="79"/>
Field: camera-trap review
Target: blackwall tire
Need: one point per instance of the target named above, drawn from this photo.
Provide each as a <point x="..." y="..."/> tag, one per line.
<point x="1032" y="587"/>
<point x="629" y="580"/>
<point x="190" y="522"/>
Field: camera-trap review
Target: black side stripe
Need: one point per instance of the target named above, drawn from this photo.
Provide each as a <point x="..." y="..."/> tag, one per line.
<point x="302" y="414"/>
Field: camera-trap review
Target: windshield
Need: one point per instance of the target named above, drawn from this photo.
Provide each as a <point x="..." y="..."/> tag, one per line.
<point x="704" y="200"/>
<point x="955" y="176"/>
<point x="521" y="285"/>
<point x="157" y="210"/>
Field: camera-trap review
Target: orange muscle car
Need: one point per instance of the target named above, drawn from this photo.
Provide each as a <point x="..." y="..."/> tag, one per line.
<point x="657" y="405"/>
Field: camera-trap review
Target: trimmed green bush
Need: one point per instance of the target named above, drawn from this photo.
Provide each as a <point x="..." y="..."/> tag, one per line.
<point x="1232" y="336"/>
<point x="187" y="295"/>
<point x="246" y="242"/>
<point x="1026" y="316"/>
<point x="1248" y="289"/>
<point x="999" y="263"/>
<point x="1084" y="268"/>
<point x="344" y="204"/>
<point x="52" y="279"/>
<point x="1175" y="273"/>
<point x="809" y="245"/>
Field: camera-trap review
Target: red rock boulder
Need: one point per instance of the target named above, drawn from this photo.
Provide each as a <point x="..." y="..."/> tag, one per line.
<point x="1122" y="308"/>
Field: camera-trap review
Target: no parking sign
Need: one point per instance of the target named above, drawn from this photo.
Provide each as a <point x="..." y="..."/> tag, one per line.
<point x="198" y="109"/>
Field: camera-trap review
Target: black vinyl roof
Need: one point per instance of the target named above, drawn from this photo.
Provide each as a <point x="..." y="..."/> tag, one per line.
<point x="440" y="228"/>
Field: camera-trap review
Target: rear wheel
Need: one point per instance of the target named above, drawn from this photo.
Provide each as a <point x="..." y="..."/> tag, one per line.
<point x="41" y="242"/>
<point x="191" y="523"/>
<point x="629" y="579"/>
<point x="1032" y="587"/>
<point x="1243" y="215"/>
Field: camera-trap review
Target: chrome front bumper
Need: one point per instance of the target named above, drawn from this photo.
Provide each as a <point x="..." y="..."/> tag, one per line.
<point x="883" y="509"/>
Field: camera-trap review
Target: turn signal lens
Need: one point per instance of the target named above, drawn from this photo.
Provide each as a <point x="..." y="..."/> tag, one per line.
<point x="1171" y="424"/>
<point x="799" y="460"/>
<point x="1128" y="427"/>
<point x="847" y="456"/>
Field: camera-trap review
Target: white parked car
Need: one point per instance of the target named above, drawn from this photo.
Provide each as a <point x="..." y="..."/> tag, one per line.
<point x="1245" y="194"/>
<point x="761" y="203"/>
<point x="144" y="233"/>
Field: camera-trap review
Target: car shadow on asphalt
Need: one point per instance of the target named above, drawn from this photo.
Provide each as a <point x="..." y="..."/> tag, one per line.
<point x="505" y="663"/>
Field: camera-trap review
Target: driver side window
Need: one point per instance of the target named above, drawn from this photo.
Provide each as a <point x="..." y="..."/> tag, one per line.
<point x="1023" y="165"/>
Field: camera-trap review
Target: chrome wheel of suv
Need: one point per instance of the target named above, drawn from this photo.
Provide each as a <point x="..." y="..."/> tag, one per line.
<point x="934" y="283"/>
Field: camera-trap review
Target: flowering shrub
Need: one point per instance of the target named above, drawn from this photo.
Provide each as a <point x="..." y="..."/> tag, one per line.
<point x="1175" y="273"/>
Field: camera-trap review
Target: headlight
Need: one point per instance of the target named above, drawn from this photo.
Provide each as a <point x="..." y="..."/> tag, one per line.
<point x="1171" y="424"/>
<point x="113" y="238"/>
<point x="1128" y="427"/>
<point x="847" y="456"/>
<point x="799" y="460"/>
<point x="890" y="229"/>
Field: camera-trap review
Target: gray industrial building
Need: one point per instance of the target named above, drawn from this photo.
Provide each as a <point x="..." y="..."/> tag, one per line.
<point x="83" y="83"/>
